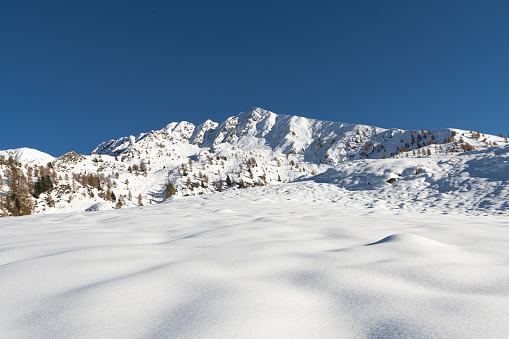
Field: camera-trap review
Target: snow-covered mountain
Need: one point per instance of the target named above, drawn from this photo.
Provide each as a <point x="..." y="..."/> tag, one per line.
<point x="315" y="140"/>
<point x="259" y="148"/>
<point x="28" y="156"/>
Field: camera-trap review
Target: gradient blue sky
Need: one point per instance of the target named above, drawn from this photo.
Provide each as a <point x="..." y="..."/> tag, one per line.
<point x="74" y="74"/>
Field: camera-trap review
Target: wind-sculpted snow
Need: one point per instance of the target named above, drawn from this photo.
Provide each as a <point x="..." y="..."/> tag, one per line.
<point x="300" y="260"/>
<point x="470" y="183"/>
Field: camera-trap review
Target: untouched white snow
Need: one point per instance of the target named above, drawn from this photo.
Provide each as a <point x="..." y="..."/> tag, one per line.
<point x="28" y="155"/>
<point x="300" y="260"/>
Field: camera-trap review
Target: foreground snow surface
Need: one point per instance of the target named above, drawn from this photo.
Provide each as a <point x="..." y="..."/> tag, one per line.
<point x="300" y="260"/>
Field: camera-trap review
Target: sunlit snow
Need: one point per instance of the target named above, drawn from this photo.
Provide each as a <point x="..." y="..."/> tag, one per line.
<point x="333" y="242"/>
<point x="301" y="260"/>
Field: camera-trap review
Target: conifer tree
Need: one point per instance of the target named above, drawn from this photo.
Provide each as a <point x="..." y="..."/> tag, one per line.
<point x="42" y="185"/>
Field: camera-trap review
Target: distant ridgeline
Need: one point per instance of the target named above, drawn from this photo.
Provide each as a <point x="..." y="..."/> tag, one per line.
<point x="254" y="148"/>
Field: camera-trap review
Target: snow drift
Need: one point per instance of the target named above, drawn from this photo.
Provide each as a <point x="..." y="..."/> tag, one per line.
<point x="289" y="261"/>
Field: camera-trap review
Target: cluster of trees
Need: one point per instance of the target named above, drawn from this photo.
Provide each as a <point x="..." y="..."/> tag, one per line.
<point x="141" y="168"/>
<point x="91" y="179"/>
<point x="23" y="188"/>
<point x="25" y="185"/>
<point x="17" y="201"/>
<point x="42" y="185"/>
<point x="170" y="190"/>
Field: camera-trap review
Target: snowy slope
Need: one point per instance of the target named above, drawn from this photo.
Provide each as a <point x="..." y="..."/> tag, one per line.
<point x="315" y="229"/>
<point x="475" y="182"/>
<point x="28" y="155"/>
<point x="300" y="260"/>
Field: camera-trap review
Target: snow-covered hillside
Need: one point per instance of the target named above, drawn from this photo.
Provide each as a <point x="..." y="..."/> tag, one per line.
<point x="475" y="182"/>
<point x="300" y="260"/>
<point x="260" y="148"/>
<point x="27" y="155"/>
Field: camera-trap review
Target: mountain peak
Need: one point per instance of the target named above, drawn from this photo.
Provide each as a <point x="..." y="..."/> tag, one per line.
<point x="257" y="148"/>
<point x="28" y="155"/>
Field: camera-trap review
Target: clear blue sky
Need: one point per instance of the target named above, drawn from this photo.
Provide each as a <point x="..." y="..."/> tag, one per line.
<point x="76" y="73"/>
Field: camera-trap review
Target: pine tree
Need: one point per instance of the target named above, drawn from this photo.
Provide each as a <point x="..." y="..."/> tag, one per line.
<point x="42" y="185"/>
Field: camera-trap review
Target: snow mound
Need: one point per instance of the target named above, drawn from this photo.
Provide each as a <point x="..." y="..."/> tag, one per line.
<point x="226" y="211"/>
<point x="411" y="240"/>
<point x="100" y="206"/>
<point x="28" y="155"/>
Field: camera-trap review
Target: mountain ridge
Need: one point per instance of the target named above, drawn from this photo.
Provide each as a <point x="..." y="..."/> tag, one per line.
<point x="290" y="134"/>
<point x="259" y="148"/>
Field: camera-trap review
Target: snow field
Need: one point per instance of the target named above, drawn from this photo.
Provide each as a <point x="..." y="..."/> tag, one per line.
<point x="298" y="260"/>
